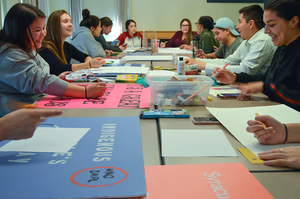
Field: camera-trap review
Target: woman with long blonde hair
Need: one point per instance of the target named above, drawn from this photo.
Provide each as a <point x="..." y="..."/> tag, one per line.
<point x="57" y="52"/>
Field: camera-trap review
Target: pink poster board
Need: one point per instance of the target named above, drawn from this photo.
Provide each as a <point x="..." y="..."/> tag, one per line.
<point x="118" y="96"/>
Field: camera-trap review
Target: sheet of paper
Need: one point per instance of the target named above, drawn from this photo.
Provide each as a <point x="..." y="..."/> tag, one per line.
<point x="216" y="90"/>
<point x="120" y="70"/>
<point x="47" y="139"/>
<point x="195" y="143"/>
<point x="173" y="50"/>
<point x="235" y="120"/>
<point x="148" y="58"/>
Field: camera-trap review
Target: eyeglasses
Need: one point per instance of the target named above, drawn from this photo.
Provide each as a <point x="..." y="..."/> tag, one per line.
<point x="185" y="25"/>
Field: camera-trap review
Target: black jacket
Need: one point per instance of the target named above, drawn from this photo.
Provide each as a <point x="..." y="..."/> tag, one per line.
<point x="56" y="66"/>
<point x="282" y="78"/>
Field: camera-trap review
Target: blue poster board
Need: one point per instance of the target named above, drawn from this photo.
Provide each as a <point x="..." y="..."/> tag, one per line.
<point x="106" y="162"/>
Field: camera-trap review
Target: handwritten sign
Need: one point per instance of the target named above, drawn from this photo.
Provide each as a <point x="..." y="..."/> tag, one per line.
<point x="117" y="96"/>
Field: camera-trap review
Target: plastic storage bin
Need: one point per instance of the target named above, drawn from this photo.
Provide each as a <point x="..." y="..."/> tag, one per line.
<point x="165" y="91"/>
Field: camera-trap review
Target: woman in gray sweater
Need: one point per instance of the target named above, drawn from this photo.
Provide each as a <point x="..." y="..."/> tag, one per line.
<point x="83" y="37"/>
<point x="24" y="74"/>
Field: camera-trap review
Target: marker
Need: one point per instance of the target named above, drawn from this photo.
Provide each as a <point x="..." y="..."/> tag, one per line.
<point x="216" y="74"/>
<point x="98" y="81"/>
<point x="262" y="122"/>
<point x="165" y="42"/>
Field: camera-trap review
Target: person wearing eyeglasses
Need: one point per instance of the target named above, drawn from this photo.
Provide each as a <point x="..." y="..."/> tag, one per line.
<point x="207" y="40"/>
<point x="183" y="37"/>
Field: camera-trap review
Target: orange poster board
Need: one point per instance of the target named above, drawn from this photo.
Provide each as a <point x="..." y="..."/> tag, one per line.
<point x="223" y="180"/>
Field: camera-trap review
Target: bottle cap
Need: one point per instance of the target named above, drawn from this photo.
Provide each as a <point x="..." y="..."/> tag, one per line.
<point x="180" y="58"/>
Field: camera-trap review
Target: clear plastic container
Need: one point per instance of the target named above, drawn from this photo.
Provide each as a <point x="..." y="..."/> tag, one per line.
<point x="165" y="91"/>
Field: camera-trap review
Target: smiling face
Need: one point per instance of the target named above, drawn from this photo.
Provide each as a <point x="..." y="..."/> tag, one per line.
<point x="38" y="32"/>
<point x="278" y="28"/>
<point x="220" y="35"/>
<point x="106" y="29"/>
<point x="66" y="26"/>
<point x="185" y="27"/>
<point x="131" y="28"/>
<point x="243" y="27"/>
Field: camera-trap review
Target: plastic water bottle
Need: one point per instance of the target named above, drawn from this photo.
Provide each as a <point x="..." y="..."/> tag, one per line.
<point x="174" y="60"/>
<point x="180" y="67"/>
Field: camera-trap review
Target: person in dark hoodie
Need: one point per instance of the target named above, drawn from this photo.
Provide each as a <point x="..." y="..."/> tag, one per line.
<point x="106" y="25"/>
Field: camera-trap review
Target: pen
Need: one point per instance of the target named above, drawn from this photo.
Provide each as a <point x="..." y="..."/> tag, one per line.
<point x="165" y="42"/>
<point x="216" y="74"/>
<point x="98" y="81"/>
<point x="262" y="122"/>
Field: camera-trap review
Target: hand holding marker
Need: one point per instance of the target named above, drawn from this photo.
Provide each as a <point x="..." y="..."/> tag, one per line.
<point x="217" y="73"/>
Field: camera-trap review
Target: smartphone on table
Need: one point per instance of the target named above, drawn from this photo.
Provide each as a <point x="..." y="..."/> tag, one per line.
<point x="205" y="120"/>
<point x="232" y="96"/>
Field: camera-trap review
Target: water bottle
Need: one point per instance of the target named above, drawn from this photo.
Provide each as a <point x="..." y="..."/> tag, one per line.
<point x="196" y="40"/>
<point x="180" y="67"/>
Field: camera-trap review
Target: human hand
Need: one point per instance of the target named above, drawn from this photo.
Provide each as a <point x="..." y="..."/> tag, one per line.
<point x="184" y="46"/>
<point x="22" y="123"/>
<point x="225" y="76"/>
<point x="285" y="157"/>
<point x="215" y="48"/>
<point x="63" y="76"/>
<point x="200" y="54"/>
<point x="274" y="132"/>
<point x="123" y="47"/>
<point x="162" y="44"/>
<point x="96" y="90"/>
<point x="189" y="61"/>
<point x="249" y="88"/>
<point x="97" y="62"/>
<point x="108" y="52"/>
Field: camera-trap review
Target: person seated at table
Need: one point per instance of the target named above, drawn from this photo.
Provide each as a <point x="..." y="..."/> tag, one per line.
<point x="131" y="37"/>
<point x="281" y="81"/>
<point x="57" y="52"/>
<point x="24" y="74"/>
<point x="83" y="37"/>
<point x="228" y="37"/>
<point x="207" y="38"/>
<point x="277" y="133"/>
<point x="106" y="25"/>
<point x="183" y="37"/>
<point x="22" y="123"/>
<point x="254" y="55"/>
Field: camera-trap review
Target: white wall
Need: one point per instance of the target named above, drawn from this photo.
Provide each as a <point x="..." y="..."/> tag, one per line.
<point x="58" y="5"/>
<point x="162" y="15"/>
<point x="100" y="8"/>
